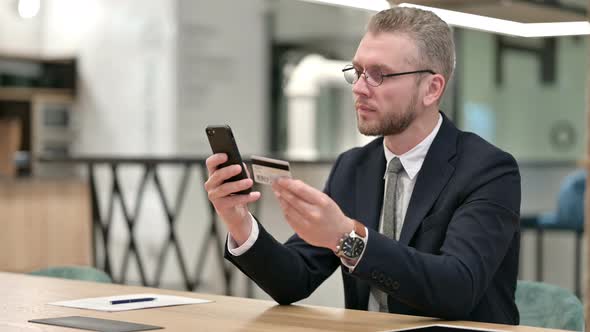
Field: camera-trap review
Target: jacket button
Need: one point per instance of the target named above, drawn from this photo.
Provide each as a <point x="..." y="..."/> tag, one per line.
<point x="395" y="285"/>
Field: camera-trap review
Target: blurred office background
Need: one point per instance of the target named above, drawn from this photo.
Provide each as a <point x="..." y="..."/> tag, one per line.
<point x="93" y="88"/>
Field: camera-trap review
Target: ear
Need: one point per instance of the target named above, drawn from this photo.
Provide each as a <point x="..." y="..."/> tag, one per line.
<point x="434" y="90"/>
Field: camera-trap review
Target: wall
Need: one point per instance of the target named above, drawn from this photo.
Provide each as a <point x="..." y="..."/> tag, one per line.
<point x="523" y="108"/>
<point x="18" y="35"/>
<point x="155" y="73"/>
<point x="222" y="53"/>
<point x="126" y="72"/>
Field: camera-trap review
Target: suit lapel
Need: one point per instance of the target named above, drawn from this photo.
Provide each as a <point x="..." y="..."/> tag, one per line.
<point x="368" y="199"/>
<point x="369" y="187"/>
<point x="432" y="178"/>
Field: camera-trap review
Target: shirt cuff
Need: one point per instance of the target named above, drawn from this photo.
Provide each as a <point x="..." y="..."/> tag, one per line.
<point x="232" y="246"/>
<point x="352" y="263"/>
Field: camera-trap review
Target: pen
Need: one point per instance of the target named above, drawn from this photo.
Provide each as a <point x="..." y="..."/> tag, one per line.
<point x="143" y="299"/>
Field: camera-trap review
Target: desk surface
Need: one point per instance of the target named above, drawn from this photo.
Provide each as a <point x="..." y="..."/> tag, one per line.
<point x="24" y="297"/>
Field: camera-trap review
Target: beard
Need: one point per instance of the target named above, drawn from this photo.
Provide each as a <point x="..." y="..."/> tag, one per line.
<point x="393" y="124"/>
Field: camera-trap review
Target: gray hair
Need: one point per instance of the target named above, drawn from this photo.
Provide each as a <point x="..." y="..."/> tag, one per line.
<point x="432" y="35"/>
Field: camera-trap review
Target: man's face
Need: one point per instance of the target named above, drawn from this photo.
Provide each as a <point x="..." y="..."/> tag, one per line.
<point x="391" y="107"/>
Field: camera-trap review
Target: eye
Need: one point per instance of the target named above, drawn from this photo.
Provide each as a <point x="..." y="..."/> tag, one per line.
<point x="357" y="71"/>
<point x="374" y="73"/>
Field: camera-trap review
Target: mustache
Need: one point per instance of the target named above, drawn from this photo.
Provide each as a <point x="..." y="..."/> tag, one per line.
<point x="358" y="104"/>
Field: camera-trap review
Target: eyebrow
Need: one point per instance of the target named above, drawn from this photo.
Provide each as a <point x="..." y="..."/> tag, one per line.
<point x="386" y="67"/>
<point x="380" y="66"/>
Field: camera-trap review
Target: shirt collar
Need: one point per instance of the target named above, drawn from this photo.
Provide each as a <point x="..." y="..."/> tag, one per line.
<point x="413" y="159"/>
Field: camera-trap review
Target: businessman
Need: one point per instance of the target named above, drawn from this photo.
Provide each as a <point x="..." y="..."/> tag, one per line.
<point x="424" y="220"/>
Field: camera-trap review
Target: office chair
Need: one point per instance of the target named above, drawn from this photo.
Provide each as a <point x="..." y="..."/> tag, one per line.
<point x="569" y="214"/>
<point x="548" y="306"/>
<point x="86" y="273"/>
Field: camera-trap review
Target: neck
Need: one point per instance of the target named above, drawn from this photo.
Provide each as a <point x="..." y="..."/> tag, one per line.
<point x="420" y="128"/>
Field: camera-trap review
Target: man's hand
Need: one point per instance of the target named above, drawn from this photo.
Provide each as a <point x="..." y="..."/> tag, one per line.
<point x="232" y="209"/>
<point x="313" y="215"/>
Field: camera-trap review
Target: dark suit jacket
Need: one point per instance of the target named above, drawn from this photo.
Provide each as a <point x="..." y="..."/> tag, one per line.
<point x="457" y="257"/>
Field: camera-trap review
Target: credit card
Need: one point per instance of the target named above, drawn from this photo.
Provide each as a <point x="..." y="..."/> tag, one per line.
<point x="266" y="170"/>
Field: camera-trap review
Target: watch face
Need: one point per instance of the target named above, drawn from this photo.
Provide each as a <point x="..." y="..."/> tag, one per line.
<point x="353" y="247"/>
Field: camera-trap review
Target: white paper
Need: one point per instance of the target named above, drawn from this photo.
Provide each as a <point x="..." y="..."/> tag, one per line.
<point x="104" y="303"/>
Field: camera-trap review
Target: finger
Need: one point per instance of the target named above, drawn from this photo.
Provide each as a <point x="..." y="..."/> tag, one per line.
<point x="303" y="191"/>
<point x="246" y="168"/>
<point x="297" y="222"/>
<point x="235" y="200"/>
<point x="214" y="161"/>
<point x="217" y="178"/>
<point x="308" y="211"/>
<point x="229" y="188"/>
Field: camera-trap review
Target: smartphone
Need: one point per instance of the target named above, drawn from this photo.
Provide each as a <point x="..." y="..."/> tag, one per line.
<point x="222" y="140"/>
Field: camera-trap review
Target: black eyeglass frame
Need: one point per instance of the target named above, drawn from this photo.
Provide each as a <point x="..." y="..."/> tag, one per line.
<point x="351" y="67"/>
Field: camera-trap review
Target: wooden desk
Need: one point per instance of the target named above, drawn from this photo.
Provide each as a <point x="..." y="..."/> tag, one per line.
<point x="24" y="297"/>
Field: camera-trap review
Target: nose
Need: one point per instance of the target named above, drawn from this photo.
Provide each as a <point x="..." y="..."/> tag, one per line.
<point x="361" y="87"/>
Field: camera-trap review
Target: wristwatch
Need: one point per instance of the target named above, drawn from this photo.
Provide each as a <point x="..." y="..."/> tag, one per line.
<point x="352" y="244"/>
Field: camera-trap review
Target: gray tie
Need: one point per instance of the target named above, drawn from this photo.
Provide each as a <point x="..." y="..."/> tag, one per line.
<point x="392" y="194"/>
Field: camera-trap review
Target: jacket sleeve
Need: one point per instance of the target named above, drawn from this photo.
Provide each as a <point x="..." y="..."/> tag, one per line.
<point x="287" y="272"/>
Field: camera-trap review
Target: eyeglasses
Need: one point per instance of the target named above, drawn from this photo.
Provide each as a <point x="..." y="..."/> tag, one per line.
<point x="373" y="76"/>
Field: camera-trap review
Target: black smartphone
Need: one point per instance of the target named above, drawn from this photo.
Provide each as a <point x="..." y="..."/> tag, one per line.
<point x="222" y="140"/>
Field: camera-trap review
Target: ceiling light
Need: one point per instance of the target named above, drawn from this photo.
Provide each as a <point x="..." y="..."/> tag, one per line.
<point x="28" y="8"/>
<point x="477" y="22"/>
<point x="505" y="27"/>
<point x="372" y="5"/>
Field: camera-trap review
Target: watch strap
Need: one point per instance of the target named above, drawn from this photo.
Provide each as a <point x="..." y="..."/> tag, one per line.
<point x="359" y="229"/>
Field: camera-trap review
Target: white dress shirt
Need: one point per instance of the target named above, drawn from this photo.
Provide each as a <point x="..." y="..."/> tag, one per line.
<point x="411" y="161"/>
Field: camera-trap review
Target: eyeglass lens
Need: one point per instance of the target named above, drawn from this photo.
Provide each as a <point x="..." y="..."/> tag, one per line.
<point x="373" y="76"/>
